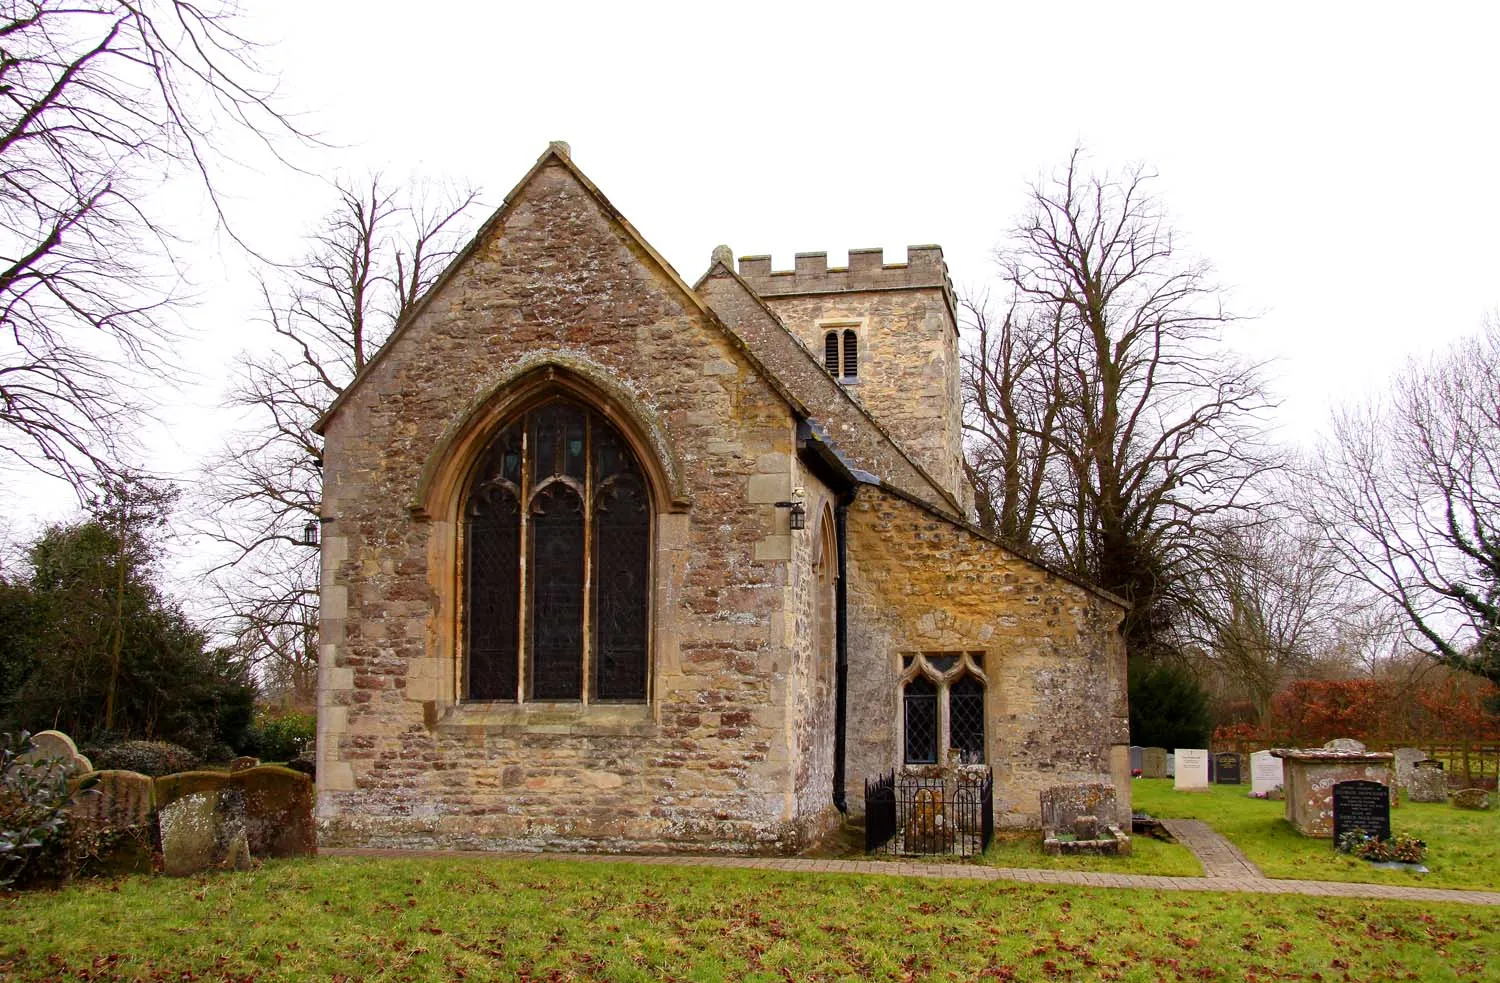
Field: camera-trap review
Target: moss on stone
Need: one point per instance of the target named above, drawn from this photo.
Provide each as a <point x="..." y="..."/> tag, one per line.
<point x="170" y="788"/>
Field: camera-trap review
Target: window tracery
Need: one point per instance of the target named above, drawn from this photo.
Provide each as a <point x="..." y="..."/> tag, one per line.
<point x="557" y="549"/>
<point x="942" y="706"/>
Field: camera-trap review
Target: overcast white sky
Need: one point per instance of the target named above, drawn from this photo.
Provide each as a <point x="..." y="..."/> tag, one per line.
<point x="1335" y="162"/>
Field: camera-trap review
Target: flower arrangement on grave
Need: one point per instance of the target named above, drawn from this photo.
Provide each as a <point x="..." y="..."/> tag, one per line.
<point x="1400" y="848"/>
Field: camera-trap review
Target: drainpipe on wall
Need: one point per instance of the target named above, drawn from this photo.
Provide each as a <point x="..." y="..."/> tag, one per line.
<point x="841" y="648"/>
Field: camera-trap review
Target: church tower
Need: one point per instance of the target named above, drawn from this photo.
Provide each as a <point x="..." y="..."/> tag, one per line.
<point x="888" y="332"/>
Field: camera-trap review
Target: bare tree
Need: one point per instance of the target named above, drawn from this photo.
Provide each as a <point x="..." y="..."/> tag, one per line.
<point x="1408" y="492"/>
<point x="101" y="103"/>
<point x="377" y="253"/>
<point x="1131" y="424"/>
<point x="1272" y="605"/>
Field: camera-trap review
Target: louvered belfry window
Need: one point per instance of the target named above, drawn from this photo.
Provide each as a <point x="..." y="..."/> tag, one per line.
<point x="557" y="556"/>
<point x="831" y="353"/>
<point x="841" y="354"/>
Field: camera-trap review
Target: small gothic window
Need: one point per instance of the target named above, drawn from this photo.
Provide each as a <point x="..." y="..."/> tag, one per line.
<point x="557" y="550"/>
<point x="851" y="354"/>
<point x="942" y="706"/>
<point x="921" y="709"/>
<point x="831" y="353"/>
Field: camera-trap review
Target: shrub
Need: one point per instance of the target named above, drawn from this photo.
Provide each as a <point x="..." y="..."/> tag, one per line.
<point x="34" y="812"/>
<point x="281" y="736"/>
<point x="154" y="758"/>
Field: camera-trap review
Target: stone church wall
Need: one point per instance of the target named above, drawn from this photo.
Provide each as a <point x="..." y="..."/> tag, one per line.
<point x="1055" y="710"/>
<point x="710" y="762"/>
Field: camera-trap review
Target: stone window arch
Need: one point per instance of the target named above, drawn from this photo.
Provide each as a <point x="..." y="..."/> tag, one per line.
<point x="556" y="561"/>
<point x="942" y="706"/>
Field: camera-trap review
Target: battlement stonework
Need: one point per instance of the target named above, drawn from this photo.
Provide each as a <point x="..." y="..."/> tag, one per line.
<point x="905" y="321"/>
<point x="867" y="270"/>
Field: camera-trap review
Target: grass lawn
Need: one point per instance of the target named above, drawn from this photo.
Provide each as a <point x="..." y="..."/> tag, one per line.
<point x="1463" y="848"/>
<point x="347" y="919"/>
<point x="1147" y="856"/>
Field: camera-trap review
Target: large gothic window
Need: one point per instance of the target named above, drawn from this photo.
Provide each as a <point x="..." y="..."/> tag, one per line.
<point x="557" y="556"/>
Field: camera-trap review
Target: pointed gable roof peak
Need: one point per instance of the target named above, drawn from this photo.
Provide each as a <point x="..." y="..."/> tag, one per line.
<point x="560" y="153"/>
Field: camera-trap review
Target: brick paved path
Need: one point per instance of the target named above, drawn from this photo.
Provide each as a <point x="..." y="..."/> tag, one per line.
<point x="1219" y="857"/>
<point x="973" y="872"/>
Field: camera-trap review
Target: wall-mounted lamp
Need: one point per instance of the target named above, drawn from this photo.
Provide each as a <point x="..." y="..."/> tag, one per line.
<point x="798" y="513"/>
<point x="310" y="533"/>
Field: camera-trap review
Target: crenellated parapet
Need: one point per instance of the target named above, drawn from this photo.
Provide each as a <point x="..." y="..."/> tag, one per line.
<point x="867" y="272"/>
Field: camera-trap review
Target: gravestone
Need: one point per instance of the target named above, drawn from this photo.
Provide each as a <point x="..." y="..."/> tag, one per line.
<point x="1361" y="805"/>
<point x="54" y="745"/>
<point x="1227" y="768"/>
<point x="1471" y="798"/>
<point x="1154" y="762"/>
<point x="1427" y="783"/>
<point x="1347" y="744"/>
<point x="1171" y="766"/>
<point x="1192" y="768"/>
<point x="276" y="809"/>
<point x="1406" y="759"/>
<point x="1061" y="804"/>
<point x="111" y="820"/>
<point x="1137" y="759"/>
<point x="1266" y="775"/>
<point x="189" y="831"/>
<point x="1080" y="819"/>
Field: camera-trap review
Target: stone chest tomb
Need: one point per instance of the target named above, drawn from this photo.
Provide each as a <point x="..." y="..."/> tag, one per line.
<point x="611" y="561"/>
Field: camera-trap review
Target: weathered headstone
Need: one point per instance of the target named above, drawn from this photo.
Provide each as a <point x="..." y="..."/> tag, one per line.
<point x="1061" y="804"/>
<point x="1137" y="759"/>
<point x="1081" y="819"/>
<point x="277" y="811"/>
<point x="1266" y="774"/>
<point x="1226" y="768"/>
<point x="1348" y="744"/>
<point x="111" y="820"/>
<point x="116" y="800"/>
<point x="1171" y="766"/>
<point x="1406" y="758"/>
<point x="1471" y="798"/>
<point x="1361" y="805"/>
<point x="1427" y="783"/>
<point x="189" y="831"/>
<point x="54" y="745"/>
<point x="1192" y="768"/>
<point x="1154" y="762"/>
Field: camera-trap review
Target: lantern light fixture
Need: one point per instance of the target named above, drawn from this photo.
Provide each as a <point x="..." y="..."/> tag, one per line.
<point x="310" y="533"/>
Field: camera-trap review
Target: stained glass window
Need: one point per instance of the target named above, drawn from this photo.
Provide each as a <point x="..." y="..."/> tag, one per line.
<point x="581" y="546"/>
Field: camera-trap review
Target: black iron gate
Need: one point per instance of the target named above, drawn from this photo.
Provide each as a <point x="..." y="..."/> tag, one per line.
<point x="914" y="815"/>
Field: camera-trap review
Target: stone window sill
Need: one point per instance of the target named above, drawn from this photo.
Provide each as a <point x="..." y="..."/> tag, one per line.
<point x="624" y="719"/>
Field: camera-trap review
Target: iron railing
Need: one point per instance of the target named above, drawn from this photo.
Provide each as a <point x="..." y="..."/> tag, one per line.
<point x="919" y="816"/>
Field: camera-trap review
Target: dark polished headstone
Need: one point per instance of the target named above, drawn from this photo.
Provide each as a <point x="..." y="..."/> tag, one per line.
<point x="1227" y="768"/>
<point x="1361" y="805"/>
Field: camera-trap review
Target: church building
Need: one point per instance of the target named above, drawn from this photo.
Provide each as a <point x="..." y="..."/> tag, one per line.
<point x="615" y="562"/>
